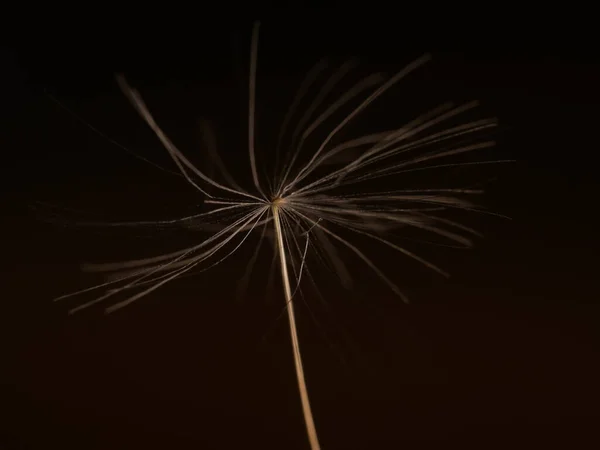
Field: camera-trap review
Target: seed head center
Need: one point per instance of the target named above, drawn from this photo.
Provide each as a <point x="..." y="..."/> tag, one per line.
<point x="278" y="201"/>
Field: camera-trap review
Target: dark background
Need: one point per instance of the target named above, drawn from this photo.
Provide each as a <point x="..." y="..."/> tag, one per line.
<point x="502" y="354"/>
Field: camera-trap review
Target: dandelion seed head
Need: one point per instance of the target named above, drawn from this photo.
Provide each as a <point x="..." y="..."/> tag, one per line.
<point x="319" y="197"/>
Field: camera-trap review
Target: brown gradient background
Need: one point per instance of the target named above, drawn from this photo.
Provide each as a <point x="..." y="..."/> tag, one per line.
<point x="503" y="354"/>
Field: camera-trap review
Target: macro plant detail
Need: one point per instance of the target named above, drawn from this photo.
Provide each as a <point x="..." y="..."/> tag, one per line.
<point x="316" y="199"/>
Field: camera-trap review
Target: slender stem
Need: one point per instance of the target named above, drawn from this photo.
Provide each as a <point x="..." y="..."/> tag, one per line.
<point x="308" y="417"/>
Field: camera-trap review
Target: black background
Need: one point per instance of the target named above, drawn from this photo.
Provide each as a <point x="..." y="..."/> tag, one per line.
<point x="502" y="354"/>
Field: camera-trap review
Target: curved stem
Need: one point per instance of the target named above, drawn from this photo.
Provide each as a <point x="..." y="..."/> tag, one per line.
<point x="306" y="410"/>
